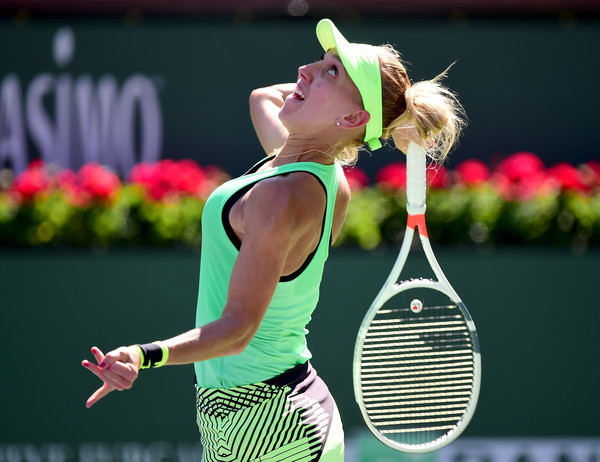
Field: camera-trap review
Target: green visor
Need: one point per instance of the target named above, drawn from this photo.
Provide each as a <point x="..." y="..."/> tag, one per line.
<point x="362" y="65"/>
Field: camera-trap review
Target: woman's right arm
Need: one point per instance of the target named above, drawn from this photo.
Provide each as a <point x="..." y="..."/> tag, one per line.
<point x="274" y="219"/>
<point x="265" y="104"/>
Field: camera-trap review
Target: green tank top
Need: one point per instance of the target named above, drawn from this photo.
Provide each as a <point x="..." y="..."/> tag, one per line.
<point x="280" y="342"/>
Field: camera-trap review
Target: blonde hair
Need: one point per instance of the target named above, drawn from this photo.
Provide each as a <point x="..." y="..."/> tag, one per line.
<point x="430" y="107"/>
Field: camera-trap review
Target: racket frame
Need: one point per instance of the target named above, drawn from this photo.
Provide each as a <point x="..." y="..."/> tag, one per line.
<point x="416" y="188"/>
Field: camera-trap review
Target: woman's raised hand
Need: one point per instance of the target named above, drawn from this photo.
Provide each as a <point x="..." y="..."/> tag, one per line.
<point x="407" y="133"/>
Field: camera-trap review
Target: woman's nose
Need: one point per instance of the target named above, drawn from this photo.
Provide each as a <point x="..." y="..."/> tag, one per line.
<point x="305" y="72"/>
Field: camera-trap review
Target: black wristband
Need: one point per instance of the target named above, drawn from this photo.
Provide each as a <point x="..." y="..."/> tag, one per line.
<point x="153" y="354"/>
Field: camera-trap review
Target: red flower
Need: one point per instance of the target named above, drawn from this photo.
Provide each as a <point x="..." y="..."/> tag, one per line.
<point x="526" y="188"/>
<point x="520" y="165"/>
<point x="33" y="181"/>
<point x="36" y="163"/>
<point x="68" y="182"/>
<point x="142" y="173"/>
<point x="438" y="177"/>
<point x="93" y="183"/>
<point x="186" y="176"/>
<point x="522" y="176"/>
<point x="569" y="177"/>
<point x="148" y="176"/>
<point x="357" y="179"/>
<point x="591" y="173"/>
<point x="99" y="182"/>
<point x="169" y="178"/>
<point x="472" y="172"/>
<point x="392" y="176"/>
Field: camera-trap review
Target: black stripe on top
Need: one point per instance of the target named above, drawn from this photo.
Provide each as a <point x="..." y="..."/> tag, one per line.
<point x="236" y="241"/>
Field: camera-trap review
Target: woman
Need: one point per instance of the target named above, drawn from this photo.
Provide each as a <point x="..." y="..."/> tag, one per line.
<point x="266" y="236"/>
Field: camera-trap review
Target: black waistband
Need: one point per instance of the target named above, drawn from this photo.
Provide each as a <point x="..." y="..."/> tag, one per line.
<point x="290" y="376"/>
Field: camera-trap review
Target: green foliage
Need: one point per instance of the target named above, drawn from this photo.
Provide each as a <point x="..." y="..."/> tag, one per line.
<point x="520" y="202"/>
<point x="367" y="210"/>
<point x="476" y="216"/>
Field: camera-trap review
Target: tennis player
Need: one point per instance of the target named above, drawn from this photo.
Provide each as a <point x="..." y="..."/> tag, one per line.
<point x="266" y="236"/>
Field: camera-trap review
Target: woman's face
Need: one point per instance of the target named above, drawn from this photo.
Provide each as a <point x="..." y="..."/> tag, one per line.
<point x="325" y="94"/>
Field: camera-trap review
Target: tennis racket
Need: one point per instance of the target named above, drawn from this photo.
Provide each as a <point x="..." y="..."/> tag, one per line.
<point x="417" y="364"/>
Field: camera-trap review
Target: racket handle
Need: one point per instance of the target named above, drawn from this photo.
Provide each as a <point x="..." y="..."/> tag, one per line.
<point x="415" y="179"/>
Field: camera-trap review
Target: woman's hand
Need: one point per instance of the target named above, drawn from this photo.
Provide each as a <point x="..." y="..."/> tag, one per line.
<point x="118" y="370"/>
<point x="407" y="133"/>
<point x="265" y="104"/>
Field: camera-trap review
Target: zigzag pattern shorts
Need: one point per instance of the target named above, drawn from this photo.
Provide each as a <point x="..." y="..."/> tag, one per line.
<point x="291" y="418"/>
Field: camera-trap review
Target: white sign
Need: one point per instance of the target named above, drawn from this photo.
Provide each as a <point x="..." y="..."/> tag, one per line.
<point x="521" y="450"/>
<point x="158" y="451"/>
<point x="72" y="120"/>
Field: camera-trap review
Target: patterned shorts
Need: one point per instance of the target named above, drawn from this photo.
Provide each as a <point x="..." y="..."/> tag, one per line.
<point x="291" y="418"/>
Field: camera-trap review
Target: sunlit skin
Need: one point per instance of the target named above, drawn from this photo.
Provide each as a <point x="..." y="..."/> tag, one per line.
<point x="325" y="106"/>
<point x="278" y="221"/>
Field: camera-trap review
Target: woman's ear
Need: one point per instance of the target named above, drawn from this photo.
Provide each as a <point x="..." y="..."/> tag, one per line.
<point x="354" y="120"/>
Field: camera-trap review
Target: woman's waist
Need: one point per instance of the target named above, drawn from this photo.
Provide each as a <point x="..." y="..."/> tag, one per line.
<point x="253" y="365"/>
<point x="219" y="402"/>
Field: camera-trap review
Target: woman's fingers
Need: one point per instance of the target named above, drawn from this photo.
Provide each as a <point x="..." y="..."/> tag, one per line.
<point x="122" y="354"/>
<point x="117" y="369"/>
<point x="97" y="371"/>
<point x="403" y="135"/>
<point x="100" y="393"/>
<point x="407" y="133"/>
<point x="119" y="375"/>
<point x="98" y="355"/>
<point x="125" y="370"/>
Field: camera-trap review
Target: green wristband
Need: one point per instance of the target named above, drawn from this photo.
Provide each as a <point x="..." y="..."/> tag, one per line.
<point x="143" y="363"/>
<point x="165" y="354"/>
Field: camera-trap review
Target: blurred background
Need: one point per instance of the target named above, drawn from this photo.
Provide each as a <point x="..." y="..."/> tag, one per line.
<point x="117" y="119"/>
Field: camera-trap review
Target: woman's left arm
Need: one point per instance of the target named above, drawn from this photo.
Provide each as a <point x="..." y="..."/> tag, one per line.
<point x="265" y="104"/>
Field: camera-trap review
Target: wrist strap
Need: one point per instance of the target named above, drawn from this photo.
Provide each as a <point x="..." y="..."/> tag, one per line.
<point x="154" y="354"/>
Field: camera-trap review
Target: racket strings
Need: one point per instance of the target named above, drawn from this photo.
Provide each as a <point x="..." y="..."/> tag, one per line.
<point x="417" y="369"/>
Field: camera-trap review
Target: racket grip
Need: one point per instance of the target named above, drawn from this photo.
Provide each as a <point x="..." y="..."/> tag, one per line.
<point x="415" y="179"/>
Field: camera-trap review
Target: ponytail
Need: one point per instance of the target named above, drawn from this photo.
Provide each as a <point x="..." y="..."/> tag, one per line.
<point x="429" y="106"/>
<point x="436" y="113"/>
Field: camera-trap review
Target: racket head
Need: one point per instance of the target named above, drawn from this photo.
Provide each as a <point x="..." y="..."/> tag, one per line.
<point x="417" y="367"/>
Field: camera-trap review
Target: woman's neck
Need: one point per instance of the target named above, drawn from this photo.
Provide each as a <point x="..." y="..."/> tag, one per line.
<point x="290" y="153"/>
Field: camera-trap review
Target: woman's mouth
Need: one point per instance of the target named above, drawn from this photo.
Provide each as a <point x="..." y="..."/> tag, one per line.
<point x="298" y="95"/>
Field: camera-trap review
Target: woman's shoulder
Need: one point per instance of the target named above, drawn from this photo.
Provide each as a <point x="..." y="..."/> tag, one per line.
<point x="299" y="192"/>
